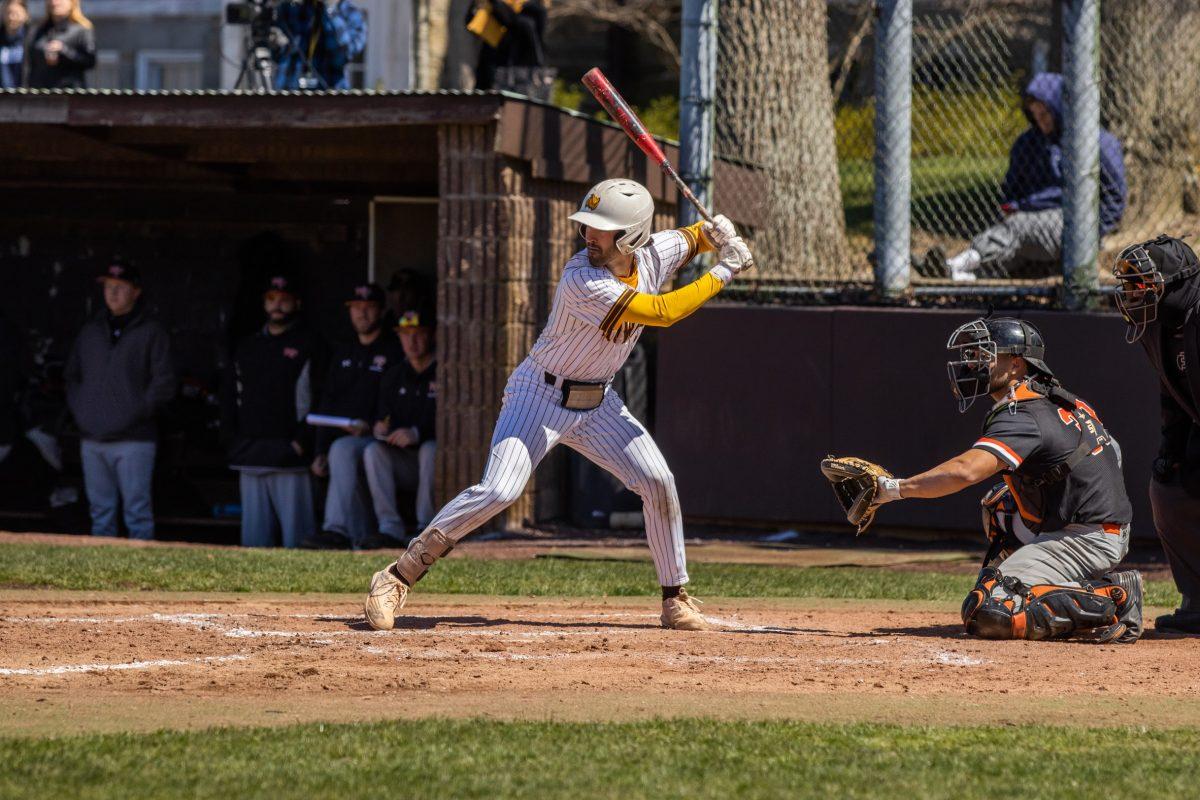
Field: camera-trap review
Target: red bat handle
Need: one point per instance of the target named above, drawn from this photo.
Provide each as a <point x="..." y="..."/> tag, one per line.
<point x="623" y="115"/>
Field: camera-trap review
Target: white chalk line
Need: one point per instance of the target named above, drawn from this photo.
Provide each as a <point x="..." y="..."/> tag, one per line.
<point x="65" y="669"/>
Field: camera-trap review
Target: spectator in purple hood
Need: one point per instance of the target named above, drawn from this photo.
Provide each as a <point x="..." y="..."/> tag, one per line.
<point x="1032" y="195"/>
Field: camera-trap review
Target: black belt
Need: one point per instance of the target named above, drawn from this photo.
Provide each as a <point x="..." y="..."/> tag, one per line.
<point x="559" y="382"/>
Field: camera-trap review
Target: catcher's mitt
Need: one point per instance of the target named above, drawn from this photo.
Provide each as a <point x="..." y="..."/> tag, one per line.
<point x="855" y="484"/>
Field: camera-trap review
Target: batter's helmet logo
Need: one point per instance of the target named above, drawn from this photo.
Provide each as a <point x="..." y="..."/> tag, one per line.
<point x="592" y="201"/>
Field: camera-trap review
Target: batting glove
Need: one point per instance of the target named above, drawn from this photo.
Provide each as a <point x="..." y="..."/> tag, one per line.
<point x="719" y="231"/>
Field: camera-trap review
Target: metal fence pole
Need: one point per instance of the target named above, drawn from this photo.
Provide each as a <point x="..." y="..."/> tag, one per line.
<point x="1081" y="151"/>
<point x="893" y="145"/>
<point x="697" y="85"/>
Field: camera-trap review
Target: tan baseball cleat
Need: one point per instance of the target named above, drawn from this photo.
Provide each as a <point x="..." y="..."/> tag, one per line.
<point x="682" y="614"/>
<point x="385" y="597"/>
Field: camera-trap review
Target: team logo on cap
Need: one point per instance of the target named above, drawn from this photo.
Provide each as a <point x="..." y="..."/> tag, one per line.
<point x="116" y="270"/>
<point x="411" y="319"/>
<point x="362" y="291"/>
<point x="290" y="352"/>
<point x="279" y="282"/>
<point x="592" y="202"/>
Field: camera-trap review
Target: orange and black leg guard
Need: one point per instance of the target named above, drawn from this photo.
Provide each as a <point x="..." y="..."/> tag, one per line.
<point x="1002" y="608"/>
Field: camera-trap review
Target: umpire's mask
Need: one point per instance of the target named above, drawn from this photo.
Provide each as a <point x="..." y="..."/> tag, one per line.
<point x="974" y="348"/>
<point x="1146" y="272"/>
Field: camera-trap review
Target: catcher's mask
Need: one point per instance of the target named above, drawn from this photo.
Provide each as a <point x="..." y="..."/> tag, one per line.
<point x="975" y="347"/>
<point x="1145" y="272"/>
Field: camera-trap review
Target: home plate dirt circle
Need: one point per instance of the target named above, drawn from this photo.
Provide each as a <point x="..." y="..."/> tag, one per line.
<point x="150" y="655"/>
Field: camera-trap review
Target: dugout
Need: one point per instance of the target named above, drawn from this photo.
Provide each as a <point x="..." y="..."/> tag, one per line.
<point x="202" y="189"/>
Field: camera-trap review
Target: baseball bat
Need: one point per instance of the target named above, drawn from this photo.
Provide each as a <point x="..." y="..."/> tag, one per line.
<point x="623" y="115"/>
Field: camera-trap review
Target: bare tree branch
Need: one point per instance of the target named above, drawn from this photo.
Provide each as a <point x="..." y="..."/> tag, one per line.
<point x="651" y="19"/>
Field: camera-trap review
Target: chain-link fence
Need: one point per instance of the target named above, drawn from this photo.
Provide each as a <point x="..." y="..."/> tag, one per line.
<point x="992" y="153"/>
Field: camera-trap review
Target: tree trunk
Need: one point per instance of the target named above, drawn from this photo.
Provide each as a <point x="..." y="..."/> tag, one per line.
<point x="1150" y="62"/>
<point x="774" y="108"/>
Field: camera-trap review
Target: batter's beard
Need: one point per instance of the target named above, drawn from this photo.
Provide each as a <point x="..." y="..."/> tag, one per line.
<point x="600" y="260"/>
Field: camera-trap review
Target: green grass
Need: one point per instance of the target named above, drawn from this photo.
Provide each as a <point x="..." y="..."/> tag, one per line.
<point x="224" y="570"/>
<point x="655" y="759"/>
<point x="957" y="193"/>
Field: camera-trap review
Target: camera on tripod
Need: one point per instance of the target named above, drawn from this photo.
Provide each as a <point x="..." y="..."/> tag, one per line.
<point x="252" y="12"/>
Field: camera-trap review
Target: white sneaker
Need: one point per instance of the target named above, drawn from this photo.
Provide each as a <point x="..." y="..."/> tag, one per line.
<point x="385" y="597"/>
<point x="683" y="614"/>
<point x="962" y="275"/>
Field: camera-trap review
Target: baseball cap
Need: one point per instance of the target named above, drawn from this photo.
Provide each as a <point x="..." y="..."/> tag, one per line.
<point x="424" y="317"/>
<point x="369" y="292"/>
<point x="122" y="271"/>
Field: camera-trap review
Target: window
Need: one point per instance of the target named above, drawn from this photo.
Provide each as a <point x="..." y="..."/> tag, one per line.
<point x="107" y="74"/>
<point x="170" y="69"/>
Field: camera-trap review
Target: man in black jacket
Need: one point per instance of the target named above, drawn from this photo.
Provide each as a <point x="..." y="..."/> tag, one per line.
<point x="269" y="386"/>
<point x="352" y="391"/>
<point x="118" y="377"/>
<point x="1159" y="296"/>
<point x="404" y="455"/>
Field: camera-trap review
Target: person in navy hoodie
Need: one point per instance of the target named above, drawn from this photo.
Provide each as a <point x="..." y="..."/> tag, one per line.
<point x="1032" y="195"/>
<point x="14" y="19"/>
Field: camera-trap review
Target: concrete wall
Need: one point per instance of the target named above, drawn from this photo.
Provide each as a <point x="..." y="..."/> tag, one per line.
<point x="751" y="398"/>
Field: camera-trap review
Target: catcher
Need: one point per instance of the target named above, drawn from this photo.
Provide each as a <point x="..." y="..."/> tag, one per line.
<point x="1058" y="523"/>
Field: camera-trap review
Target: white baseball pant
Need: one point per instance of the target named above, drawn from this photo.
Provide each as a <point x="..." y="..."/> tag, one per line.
<point x="531" y="422"/>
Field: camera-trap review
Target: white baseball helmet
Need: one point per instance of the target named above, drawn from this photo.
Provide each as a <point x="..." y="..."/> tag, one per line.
<point x="619" y="205"/>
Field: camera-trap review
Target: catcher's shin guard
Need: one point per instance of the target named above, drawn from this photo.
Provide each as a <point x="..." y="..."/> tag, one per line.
<point x="1047" y="611"/>
<point x="421" y="554"/>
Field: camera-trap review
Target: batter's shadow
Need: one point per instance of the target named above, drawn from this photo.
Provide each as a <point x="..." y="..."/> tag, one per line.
<point x="916" y="631"/>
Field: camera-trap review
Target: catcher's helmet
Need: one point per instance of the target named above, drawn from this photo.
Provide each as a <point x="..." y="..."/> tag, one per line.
<point x="619" y="205"/>
<point x="1145" y="273"/>
<point x="979" y="342"/>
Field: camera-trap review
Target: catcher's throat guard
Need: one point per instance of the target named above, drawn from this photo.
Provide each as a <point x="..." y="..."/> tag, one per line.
<point x="855" y="483"/>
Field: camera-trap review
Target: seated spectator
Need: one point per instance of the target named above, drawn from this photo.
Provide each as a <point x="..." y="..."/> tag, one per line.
<point x="61" y="49"/>
<point x="15" y="17"/>
<point x="511" y="35"/>
<point x="405" y="427"/>
<point x="119" y="377"/>
<point x="267" y="394"/>
<point x="352" y="390"/>
<point x="319" y="40"/>
<point x="1030" y="230"/>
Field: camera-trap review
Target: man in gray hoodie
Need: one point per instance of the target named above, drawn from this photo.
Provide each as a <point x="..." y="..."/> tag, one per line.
<point x="119" y="376"/>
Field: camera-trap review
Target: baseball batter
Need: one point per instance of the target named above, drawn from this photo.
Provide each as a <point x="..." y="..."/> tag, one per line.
<point x="561" y="393"/>
<point x="1063" y="499"/>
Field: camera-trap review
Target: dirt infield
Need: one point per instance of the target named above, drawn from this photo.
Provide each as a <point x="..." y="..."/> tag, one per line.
<point x="72" y="662"/>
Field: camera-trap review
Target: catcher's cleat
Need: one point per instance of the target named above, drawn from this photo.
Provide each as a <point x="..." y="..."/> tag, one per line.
<point x="385" y="597"/>
<point x="1117" y="632"/>
<point x="682" y="614"/>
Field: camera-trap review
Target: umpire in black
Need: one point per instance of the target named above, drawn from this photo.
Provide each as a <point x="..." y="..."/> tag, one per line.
<point x="1158" y="293"/>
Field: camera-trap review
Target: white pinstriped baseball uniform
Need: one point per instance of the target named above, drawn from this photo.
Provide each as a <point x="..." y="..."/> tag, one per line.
<point x="584" y="341"/>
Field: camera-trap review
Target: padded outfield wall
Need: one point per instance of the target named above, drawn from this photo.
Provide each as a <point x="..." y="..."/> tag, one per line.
<point x="750" y="398"/>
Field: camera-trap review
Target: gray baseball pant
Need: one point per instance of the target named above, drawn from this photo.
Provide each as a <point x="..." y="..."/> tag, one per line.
<point x="348" y="501"/>
<point x="1020" y="237"/>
